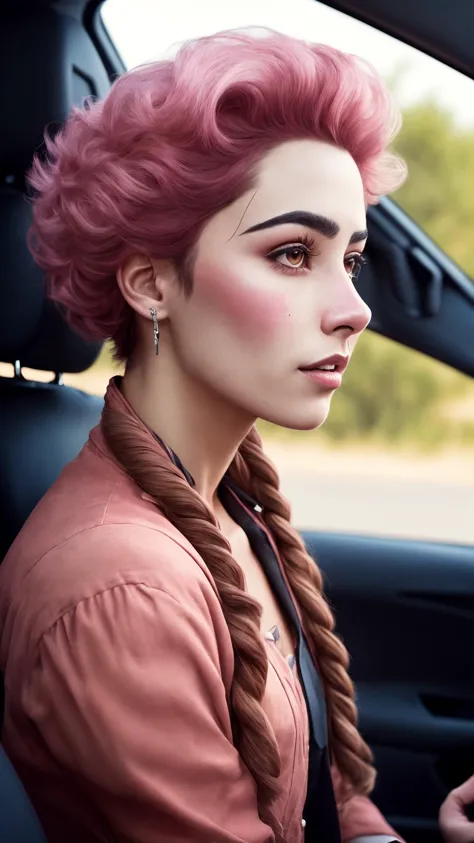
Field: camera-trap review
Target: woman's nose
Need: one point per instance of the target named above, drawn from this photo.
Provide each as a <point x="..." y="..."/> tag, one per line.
<point x="349" y="315"/>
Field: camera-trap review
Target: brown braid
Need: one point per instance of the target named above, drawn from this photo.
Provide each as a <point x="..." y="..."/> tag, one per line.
<point x="353" y="758"/>
<point x="136" y="449"/>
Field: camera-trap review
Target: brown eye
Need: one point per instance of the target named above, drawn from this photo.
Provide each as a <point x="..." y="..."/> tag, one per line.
<point x="295" y="256"/>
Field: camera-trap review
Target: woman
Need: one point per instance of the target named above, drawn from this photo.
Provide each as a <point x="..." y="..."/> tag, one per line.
<point x="172" y="671"/>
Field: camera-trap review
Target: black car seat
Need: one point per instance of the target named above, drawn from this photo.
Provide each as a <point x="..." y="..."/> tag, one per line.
<point x="47" y="64"/>
<point x="42" y="425"/>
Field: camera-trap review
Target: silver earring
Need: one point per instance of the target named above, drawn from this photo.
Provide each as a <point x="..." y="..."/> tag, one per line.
<point x="156" y="330"/>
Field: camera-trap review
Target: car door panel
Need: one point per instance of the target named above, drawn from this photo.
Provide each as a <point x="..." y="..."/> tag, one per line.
<point x="406" y="613"/>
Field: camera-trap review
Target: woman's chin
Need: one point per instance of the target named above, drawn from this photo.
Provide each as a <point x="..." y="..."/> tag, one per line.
<point x="302" y="417"/>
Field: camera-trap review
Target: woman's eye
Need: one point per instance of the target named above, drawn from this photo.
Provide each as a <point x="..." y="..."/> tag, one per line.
<point x="354" y="264"/>
<point x="291" y="257"/>
<point x="294" y="257"/>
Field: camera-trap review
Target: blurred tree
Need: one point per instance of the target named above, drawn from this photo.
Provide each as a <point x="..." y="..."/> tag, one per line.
<point x="390" y="393"/>
<point x="393" y="394"/>
<point x="439" y="193"/>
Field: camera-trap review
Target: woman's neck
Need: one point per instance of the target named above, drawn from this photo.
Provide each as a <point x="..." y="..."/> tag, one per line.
<point x="202" y="429"/>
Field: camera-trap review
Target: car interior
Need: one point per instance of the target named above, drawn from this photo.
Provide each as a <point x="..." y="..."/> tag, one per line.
<point x="404" y="608"/>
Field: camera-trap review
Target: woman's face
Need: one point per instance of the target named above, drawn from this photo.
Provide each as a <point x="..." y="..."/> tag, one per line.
<point x="274" y="314"/>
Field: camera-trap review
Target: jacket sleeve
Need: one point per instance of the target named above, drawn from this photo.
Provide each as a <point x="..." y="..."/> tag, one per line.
<point x="360" y="819"/>
<point x="128" y="694"/>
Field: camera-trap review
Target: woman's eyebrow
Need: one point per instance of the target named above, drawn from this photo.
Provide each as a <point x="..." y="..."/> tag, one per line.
<point x="358" y="236"/>
<point x="323" y="225"/>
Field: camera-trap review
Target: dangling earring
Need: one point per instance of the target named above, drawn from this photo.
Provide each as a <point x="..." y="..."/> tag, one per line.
<point x="156" y="330"/>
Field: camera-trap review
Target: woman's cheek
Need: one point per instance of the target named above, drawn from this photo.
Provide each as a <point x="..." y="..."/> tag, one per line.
<point x="253" y="312"/>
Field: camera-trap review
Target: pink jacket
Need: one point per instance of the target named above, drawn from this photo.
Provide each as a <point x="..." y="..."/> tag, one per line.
<point x="118" y="664"/>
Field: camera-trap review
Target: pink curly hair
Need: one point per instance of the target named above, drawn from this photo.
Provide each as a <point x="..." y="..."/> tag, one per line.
<point x="176" y="141"/>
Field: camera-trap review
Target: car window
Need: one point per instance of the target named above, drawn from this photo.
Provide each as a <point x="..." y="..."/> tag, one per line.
<point x="396" y="457"/>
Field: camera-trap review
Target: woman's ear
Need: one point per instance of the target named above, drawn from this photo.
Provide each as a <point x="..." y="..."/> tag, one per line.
<point x="145" y="283"/>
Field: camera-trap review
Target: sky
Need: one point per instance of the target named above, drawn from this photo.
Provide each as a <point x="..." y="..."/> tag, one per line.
<point x="145" y="30"/>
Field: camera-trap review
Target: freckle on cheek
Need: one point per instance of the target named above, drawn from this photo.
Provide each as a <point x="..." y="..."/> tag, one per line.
<point x="253" y="313"/>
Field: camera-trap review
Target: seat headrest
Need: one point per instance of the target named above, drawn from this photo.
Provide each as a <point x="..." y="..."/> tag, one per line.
<point x="47" y="64"/>
<point x="32" y="330"/>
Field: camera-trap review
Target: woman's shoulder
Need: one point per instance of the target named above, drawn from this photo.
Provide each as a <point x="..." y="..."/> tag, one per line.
<point x="95" y="531"/>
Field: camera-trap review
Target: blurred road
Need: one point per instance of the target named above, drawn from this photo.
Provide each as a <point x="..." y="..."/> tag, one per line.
<point x="398" y="507"/>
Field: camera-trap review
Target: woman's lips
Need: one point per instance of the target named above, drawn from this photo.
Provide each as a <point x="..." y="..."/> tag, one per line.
<point x="327" y="372"/>
<point x="327" y="378"/>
